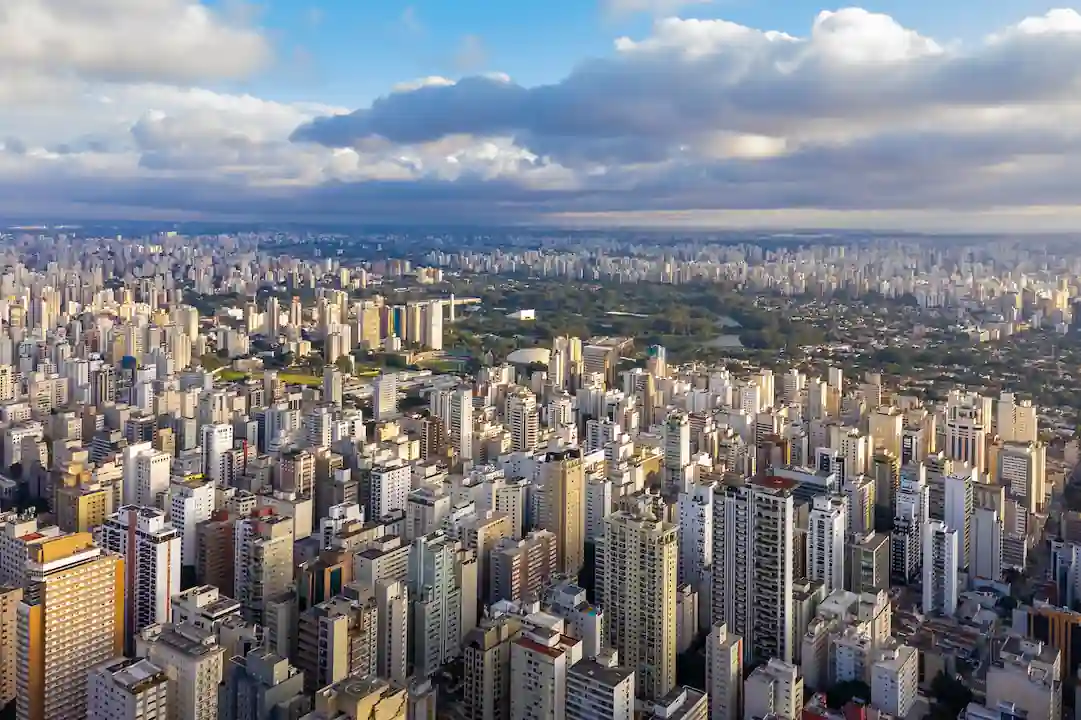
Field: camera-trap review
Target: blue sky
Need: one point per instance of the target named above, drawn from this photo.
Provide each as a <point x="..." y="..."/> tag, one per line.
<point x="348" y="52"/>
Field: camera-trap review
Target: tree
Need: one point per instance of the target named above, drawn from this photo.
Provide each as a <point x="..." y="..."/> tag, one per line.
<point x="950" y="695"/>
<point x="344" y="364"/>
<point x="840" y="694"/>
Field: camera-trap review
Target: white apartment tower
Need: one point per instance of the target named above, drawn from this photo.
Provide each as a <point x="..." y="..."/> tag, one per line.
<point x="385" y="397"/>
<point x="522" y="420"/>
<point x="695" y="510"/>
<point x="151" y="549"/>
<point x="436" y="589"/>
<point x="217" y="440"/>
<point x="1022" y="468"/>
<point x="827" y="526"/>
<point x="190" y="503"/>
<point x="539" y="663"/>
<point x="910" y="518"/>
<point x="640" y="608"/>
<point x="753" y="550"/>
<point x="127" y="689"/>
<point x="600" y="689"/>
<point x="966" y="430"/>
<point x="941" y="548"/>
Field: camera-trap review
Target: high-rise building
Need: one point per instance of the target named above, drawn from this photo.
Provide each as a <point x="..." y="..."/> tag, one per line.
<point x="640" y="608"/>
<point x="773" y="689"/>
<point x="438" y="587"/>
<point x="338" y="638"/>
<point x="827" y="526"/>
<point x="561" y="506"/>
<point x="1015" y="420"/>
<point x="521" y="568"/>
<point x="540" y="660"/>
<point x="895" y="680"/>
<point x="127" y="689"/>
<point x="385" y="396"/>
<point x="333" y="385"/>
<point x="151" y="549"/>
<point x="986" y="549"/>
<point x="967" y="420"/>
<point x="71" y="619"/>
<point x="217" y="440"/>
<point x="677" y="447"/>
<point x="724" y="673"/>
<point x="487" y="678"/>
<point x="958" y="513"/>
<point x="263" y="562"/>
<point x="910" y="520"/>
<point x="695" y="510"/>
<point x="262" y="685"/>
<point x="1022" y="469"/>
<point x="941" y="547"/>
<point x="522" y="420"/>
<point x="190" y="502"/>
<point x="10" y="597"/>
<point x="599" y="688"/>
<point x="753" y="563"/>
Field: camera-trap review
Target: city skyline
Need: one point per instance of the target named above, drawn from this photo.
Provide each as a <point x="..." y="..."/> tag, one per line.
<point x="641" y="113"/>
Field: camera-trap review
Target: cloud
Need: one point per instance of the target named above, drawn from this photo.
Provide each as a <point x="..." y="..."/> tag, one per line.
<point x="860" y="119"/>
<point x="126" y="40"/>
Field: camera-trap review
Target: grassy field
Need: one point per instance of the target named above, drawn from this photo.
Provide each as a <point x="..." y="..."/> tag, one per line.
<point x="293" y="378"/>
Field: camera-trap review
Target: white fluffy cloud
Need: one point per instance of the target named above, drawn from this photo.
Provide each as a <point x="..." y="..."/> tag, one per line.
<point x="860" y="117"/>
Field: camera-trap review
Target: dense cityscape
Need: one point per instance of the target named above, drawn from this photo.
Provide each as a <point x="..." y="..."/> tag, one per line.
<point x="538" y="475"/>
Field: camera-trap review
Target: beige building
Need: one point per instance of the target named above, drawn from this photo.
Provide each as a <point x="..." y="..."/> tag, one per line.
<point x="71" y="619"/>
<point x="775" y="688"/>
<point x="10" y="597"/>
<point x="336" y="639"/>
<point x="263" y="562"/>
<point x="522" y="567"/>
<point x="540" y="660"/>
<point x="81" y="508"/>
<point x="561" y="507"/>
<point x="193" y="661"/>
<point x="724" y="673"/>
<point x="486" y="668"/>
<point x="356" y="698"/>
<point x="639" y="598"/>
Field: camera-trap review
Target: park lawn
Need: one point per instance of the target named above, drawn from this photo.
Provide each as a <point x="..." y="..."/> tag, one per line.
<point x="233" y="375"/>
<point x="300" y="379"/>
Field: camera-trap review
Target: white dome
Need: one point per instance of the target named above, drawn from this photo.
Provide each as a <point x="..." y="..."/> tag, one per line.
<point x="528" y="356"/>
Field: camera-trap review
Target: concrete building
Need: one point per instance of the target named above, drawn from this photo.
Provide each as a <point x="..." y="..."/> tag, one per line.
<point x="190" y="502"/>
<point x="442" y="586"/>
<point x="151" y="549"/>
<point x="826" y="531"/>
<point x="336" y="639"/>
<point x="682" y="703"/>
<point x="986" y="549"/>
<point x="194" y="662"/>
<point x="263" y="562"/>
<point x="357" y="698"/>
<point x="867" y="563"/>
<point x="1028" y="674"/>
<point x="486" y="668"/>
<point x="262" y="685"/>
<point x="520" y="568"/>
<point x="724" y="673"/>
<point x="695" y="510"/>
<point x="753" y="551"/>
<point x="540" y="661"/>
<point x="940" y="577"/>
<point x="561" y="506"/>
<point x="126" y="689"/>
<point x="71" y="619"/>
<point x="773" y="690"/>
<point x="522" y="420"/>
<point x="640" y="609"/>
<point x="895" y="680"/>
<point x="600" y="689"/>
